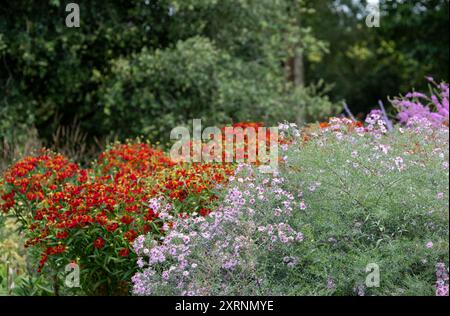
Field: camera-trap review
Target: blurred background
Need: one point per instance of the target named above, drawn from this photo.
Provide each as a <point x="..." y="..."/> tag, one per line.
<point x="143" y="67"/>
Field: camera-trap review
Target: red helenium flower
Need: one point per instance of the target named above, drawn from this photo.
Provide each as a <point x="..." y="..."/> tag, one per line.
<point x="99" y="243"/>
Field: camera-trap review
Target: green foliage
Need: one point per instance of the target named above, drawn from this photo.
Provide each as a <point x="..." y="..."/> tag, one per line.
<point x="368" y="64"/>
<point x="154" y="92"/>
<point x="363" y="208"/>
<point x="220" y="60"/>
<point x="12" y="256"/>
<point x="49" y="70"/>
<point x="136" y="67"/>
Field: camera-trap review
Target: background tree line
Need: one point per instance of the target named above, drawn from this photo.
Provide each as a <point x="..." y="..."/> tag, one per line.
<point x="143" y="67"/>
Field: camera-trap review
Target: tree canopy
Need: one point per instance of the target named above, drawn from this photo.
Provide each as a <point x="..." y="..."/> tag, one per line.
<point x="142" y="67"/>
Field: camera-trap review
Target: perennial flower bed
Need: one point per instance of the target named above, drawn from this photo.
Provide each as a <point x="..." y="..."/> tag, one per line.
<point x="91" y="216"/>
<point x="347" y="195"/>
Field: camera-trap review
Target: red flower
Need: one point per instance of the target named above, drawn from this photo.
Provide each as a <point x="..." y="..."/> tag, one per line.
<point x="99" y="243"/>
<point x="55" y="250"/>
<point x="124" y="252"/>
<point x="71" y="223"/>
<point x="42" y="262"/>
<point x="204" y="212"/>
<point x="83" y="176"/>
<point x="31" y="196"/>
<point x="112" y="227"/>
<point x="62" y="235"/>
<point x="126" y="219"/>
<point x="150" y="216"/>
<point x="130" y="235"/>
<point x="101" y="219"/>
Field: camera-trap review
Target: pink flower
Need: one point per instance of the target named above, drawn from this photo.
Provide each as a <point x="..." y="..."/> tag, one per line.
<point x="302" y="206"/>
<point x="441" y="280"/>
<point x="429" y="245"/>
<point x="331" y="285"/>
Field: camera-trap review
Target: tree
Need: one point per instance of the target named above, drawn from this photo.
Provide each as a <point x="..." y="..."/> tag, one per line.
<point x="369" y="64"/>
<point x="142" y="67"/>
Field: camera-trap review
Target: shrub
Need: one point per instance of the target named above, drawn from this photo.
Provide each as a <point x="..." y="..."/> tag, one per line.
<point x="372" y="197"/>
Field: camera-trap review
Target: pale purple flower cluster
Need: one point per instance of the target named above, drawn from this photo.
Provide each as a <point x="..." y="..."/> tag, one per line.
<point x="290" y="261"/>
<point x="376" y="125"/>
<point x="288" y="131"/>
<point x="252" y="220"/>
<point x="163" y="209"/>
<point x="331" y="284"/>
<point x="417" y="105"/>
<point x="360" y="290"/>
<point x="442" y="280"/>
